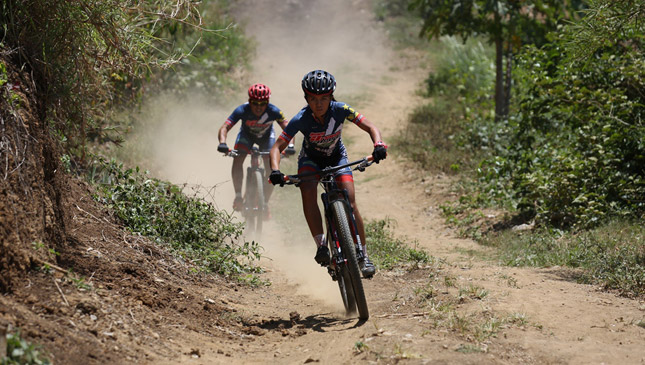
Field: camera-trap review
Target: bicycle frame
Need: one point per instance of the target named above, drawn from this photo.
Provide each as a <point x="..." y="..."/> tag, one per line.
<point x="332" y="192"/>
<point x="342" y="232"/>
<point x="254" y="204"/>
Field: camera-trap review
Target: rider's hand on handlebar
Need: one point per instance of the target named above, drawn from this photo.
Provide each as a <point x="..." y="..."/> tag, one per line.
<point x="223" y="148"/>
<point x="380" y="151"/>
<point x="277" y="178"/>
<point x="290" y="150"/>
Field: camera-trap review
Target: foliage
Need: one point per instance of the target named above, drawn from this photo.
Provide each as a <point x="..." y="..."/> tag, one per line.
<point x="389" y="252"/>
<point x="466" y="67"/>
<point x="604" y="22"/>
<point x="20" y="352"/>
<point x="522" y="22"/>
<point x="213" y="57"/>
<point x="445" y="133"/>
<point x="576" y="150"/>
<point x="571" y="154"/>
<point x="612" y="255"/>
<point x="89" y="57"/>
<point x="507" y="24"/>
<point x="190" y="226"/>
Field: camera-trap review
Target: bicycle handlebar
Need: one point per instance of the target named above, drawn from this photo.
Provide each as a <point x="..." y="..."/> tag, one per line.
<point x="362" y="164"/>
<point x="235" y="153"/>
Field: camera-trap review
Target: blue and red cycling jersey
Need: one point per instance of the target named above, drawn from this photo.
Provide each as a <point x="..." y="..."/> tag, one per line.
<point x="322" y="141"/>
<point x="322" y="145"/>
<point x="253" y="126"/>
<point x="255" y="130"/>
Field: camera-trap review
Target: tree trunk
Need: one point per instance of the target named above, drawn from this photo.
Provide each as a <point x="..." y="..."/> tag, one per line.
<point x="507" y="81"/>
<point x="499" y="78"/>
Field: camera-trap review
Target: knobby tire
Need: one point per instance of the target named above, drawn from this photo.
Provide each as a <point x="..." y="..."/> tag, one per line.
<point x="250" y="196"/>
<point x="259" y="213"/>
<point x="346" y="290"/>
<point x="348" y="248"/>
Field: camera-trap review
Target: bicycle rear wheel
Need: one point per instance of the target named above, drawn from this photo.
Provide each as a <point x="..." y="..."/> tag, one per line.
<point x="350" y="270"/>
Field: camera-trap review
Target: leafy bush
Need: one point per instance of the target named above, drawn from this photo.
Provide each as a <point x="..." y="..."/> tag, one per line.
<point x="21" y="352"/>
<point x="572" y="152"/>
<point x="389" y="252"/>
<point x="576" y="146"/>
<point x="215" y="55"/>
<point x="191" y="227"/>
<point x="90" y="57"/>
<point x="466" y="68"/>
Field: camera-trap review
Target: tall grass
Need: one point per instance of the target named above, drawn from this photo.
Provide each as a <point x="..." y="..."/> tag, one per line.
<point x="612" y="255"/>
<point x="388" y="251"/>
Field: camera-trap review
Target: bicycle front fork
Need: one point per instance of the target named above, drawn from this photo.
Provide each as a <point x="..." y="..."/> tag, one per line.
<point x="332" y="236"/>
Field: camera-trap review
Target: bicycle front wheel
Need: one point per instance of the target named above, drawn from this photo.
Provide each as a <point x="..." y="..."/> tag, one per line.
<point x="259" y="204"/>
<point x="346" y="290"/>
<point x="350" y="270"/>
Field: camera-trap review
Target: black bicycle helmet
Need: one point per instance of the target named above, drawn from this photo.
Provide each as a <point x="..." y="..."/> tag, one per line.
<point x="319" y="82"/>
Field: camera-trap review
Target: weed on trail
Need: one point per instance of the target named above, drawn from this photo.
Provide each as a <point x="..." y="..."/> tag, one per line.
<point x="22" y="352"/>
<point x="612" y="255"/>
<point x="388" y="251"/>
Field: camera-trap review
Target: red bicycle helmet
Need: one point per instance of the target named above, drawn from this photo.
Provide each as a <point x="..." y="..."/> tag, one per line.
<point x="259" y="92"/>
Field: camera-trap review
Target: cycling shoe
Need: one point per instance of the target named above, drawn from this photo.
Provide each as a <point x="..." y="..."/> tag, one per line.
<point x="367" y="268"/>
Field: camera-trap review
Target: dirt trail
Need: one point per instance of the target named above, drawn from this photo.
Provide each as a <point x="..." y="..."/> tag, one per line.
<point x="538" y="316"/>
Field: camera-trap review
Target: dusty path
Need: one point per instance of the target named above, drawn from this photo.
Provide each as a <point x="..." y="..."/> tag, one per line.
<point x="459" y="310"/>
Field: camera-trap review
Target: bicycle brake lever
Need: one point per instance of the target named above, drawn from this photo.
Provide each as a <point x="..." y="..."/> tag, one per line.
<point x="367" y="162"/>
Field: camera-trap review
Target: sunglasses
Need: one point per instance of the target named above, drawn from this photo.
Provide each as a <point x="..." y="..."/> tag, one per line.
<point x="258" y="103"/>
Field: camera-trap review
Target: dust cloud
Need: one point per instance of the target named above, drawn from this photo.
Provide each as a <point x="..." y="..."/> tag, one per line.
<point x="293" y="38"/>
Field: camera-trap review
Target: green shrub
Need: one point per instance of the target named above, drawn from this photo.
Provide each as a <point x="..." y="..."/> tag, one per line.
<point x="576" y="146"/>
<point x="466" y="68"/>
<point x="91" y="57"/>
<point x="191" y="227"/>
<point x="572" y="153"/>
<point x="446" y="133"/>
<point x="211" y="56"/>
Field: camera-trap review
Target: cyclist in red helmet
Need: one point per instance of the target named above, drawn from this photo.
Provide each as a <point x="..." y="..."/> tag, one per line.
<point x="321" y="123"/>
<point x="257" y="116"/>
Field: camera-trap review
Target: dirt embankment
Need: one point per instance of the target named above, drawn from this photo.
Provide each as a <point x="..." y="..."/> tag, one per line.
<point x="129" y="302"/>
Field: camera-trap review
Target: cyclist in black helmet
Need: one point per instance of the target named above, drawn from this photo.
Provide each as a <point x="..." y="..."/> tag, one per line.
<point x="321" y="123"/>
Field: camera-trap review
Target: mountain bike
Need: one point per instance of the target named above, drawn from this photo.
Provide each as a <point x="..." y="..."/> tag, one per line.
<point x="254" y="205"/>
<point x="342" y="236"/>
